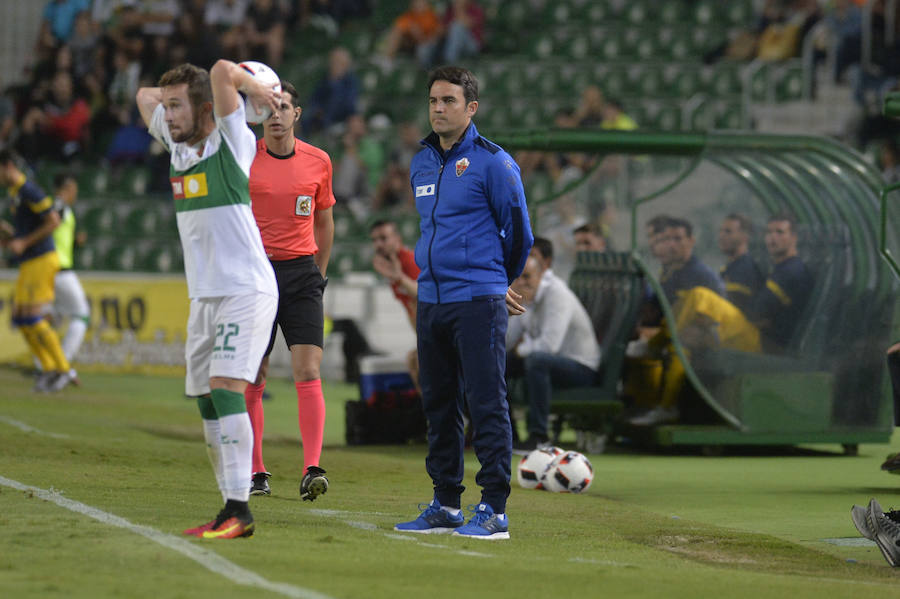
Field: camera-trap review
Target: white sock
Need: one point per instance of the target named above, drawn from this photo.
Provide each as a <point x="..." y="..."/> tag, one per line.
<point x="74" y="336"/>
<point x="214" y="450"/>
<point x="237" y="460"/>
<point x="454" y="511"/>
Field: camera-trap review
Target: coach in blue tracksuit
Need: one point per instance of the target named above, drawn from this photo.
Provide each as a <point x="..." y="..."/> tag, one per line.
<point x="474" y="243"/>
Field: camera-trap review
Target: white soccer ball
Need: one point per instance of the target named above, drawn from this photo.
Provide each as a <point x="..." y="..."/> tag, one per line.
<point x="532" y="466"/>
<point x="267" y="75"/>
<point x="569" y="472"/>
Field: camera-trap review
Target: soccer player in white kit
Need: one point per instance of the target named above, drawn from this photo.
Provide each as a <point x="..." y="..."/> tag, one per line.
<point x="199" y="117"/>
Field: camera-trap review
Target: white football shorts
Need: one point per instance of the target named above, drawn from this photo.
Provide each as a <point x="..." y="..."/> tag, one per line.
<point x="70" y="299"/>
<point x="227" y="337"/>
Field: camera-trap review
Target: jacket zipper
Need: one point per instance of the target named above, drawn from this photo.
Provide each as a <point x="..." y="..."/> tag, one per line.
<point x="437" y="189"/>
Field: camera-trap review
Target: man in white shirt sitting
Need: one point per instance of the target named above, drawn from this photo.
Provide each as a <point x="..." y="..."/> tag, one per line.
<point x="555" y="340"/>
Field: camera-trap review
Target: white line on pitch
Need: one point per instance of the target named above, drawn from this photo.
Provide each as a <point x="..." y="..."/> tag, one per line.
<point x="206" y="558"/>
<point x="30" y="429"/>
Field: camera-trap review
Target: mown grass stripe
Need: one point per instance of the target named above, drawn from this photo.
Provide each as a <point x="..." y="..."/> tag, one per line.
<point x="206" y="558"/>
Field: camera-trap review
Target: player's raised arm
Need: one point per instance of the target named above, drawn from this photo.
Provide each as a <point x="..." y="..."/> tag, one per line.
<point x="148" y="98"/>
<point x="228" y="78"/>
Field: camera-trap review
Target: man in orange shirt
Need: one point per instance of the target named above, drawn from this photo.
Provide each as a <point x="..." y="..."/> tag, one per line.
<point x="290" y="189"/>
<point x="397" y="264"/>
<point x="415" y="31"/>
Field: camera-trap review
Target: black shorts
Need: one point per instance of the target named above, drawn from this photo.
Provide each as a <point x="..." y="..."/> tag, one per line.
<point x="300" y="309"/>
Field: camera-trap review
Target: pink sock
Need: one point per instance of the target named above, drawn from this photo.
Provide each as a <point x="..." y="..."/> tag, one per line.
<point x="311" y="414"/>
<point x="253" y="397"/>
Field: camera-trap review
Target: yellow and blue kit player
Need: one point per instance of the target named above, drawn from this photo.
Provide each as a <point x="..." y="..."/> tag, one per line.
<point x="32" y="249"/>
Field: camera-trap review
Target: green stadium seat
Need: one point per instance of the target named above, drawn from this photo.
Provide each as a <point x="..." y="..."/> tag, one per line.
<point x="686" y="82"/>
<point x="730" y="116"/>
<point x="638" y="12"/>
<point x="703" y="118"/>
<point x="345" y="226"/>
<point x="705" y="12"/>
<point x="608" y="44"/>
<point x="725" y="79"/>
<point x="670" y="11"/>
<point x="595" y="11"/>
<point x="738" y="12"/>
<point x="648" y="81"/>
<point x="642" y="42"/>
<point x="667" y="117"/>
<point x="163" y="259"/>
<point x="100" y="219"/>
<point x="614" y="83"/>
<point x="788" y="82"/>
<point x="92" y="181"/>
<point x="541" y="46"/>
<point x="577" y="46"/>
<point x="675" y="43"/>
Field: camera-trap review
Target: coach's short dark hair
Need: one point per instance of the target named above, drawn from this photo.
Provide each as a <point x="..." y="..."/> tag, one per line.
<point x="199" y="87"/>
<point x="457" y="76"/>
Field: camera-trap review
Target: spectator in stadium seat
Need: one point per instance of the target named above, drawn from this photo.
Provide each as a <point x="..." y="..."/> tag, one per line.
<point x="415" y="31"/>
<point x="59" y="18"/>
<point x="359" y="166"/>
<point x="474" y="242"/>
<point x="290" y="190"/>
<point x="589" y="112"/>
<point x="741" y="275"/>
<point x="555" y="341"/>
<point x="265" y="29"/>
<point x="233" y="292"/>
<point x="462" y="33"/>
<point x="336" y="95"/>
<point x="59" y="127"/>
<point x="397" y="264"/>
<point x="226" y="17"/>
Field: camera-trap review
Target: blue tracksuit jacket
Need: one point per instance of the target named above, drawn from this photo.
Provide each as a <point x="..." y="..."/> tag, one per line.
<point x="474" y="221"/>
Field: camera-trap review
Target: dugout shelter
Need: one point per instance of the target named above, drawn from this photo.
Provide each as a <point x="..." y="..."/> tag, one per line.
<point x="830" y="384"/>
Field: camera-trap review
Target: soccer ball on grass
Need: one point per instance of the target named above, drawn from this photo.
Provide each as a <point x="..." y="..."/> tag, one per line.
<point x="532" y="466"/>
<point x="569" y="472"/>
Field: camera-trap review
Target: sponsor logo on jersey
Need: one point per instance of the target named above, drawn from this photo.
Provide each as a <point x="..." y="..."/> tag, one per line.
<point x="424" y="190"/>
<point x="461" y="165"/>
<point x="189" y="186"/>
<point x="303" y="207"/>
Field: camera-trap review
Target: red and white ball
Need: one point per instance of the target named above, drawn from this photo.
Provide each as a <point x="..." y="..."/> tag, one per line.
<point x="265" y="74"/>
<point x="532" y="466"/>
<point x="569" y="472"/>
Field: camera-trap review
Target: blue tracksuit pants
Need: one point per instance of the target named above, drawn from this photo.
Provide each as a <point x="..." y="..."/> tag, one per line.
<point x="462" y="357"/>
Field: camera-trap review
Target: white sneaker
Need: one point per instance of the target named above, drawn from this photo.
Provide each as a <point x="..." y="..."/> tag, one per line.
<point x="658" y="415"/>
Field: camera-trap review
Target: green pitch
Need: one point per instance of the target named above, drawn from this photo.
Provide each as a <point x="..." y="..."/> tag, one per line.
<point x="98" y="482"/>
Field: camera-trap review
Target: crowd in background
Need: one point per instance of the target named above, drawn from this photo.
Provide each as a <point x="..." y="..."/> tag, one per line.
<point x="90" y="57"/>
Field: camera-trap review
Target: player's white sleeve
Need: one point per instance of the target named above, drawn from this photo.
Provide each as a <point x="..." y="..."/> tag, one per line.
<point x="158" y="128"/>
<point x="239" y="137"/>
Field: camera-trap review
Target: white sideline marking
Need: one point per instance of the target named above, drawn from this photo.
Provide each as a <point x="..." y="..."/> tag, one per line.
<point x="30" y="429"/>
<point x="206" y="558"/>
<point x="851" y="542"/>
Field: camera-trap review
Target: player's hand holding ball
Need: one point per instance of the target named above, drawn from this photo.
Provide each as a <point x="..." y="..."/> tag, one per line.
<point x="263" y="91"/>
